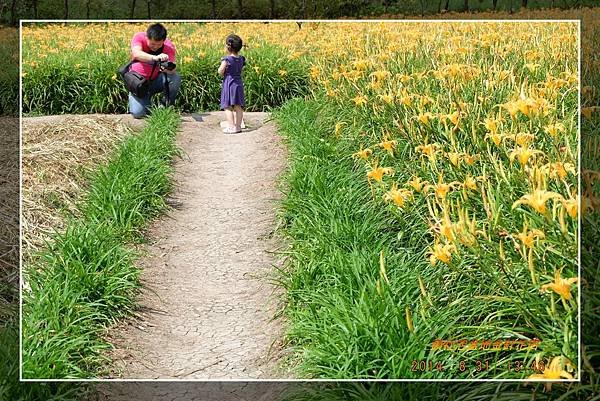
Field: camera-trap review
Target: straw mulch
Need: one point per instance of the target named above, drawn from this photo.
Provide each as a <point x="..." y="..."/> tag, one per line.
<point x="58" y="154"/>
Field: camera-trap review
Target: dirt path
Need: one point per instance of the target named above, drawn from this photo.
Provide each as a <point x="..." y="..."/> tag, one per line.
<point x="207" y="302"/>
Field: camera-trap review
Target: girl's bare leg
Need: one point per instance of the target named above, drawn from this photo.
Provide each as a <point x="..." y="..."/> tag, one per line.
<point x="230" y="117"/>
<point x="239" y="115"/>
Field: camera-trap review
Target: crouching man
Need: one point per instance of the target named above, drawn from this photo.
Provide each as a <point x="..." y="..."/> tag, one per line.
<point x="153" y="56"/>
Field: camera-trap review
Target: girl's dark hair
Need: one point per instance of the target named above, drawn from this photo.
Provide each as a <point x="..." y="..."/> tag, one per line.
<point x="234" y="43"/>
<point x="156" y="32"/>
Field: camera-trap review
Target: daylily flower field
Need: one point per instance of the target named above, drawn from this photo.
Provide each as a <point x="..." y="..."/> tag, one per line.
<point x="455" y="145"/>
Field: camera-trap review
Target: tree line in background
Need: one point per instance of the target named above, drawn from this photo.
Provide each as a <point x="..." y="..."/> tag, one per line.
<point x="13" y="10"/>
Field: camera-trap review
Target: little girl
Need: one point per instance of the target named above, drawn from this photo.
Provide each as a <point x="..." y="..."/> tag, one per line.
<point x="232" y="92"/>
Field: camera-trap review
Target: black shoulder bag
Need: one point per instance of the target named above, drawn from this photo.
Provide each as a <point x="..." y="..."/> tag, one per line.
<point x="135" y="82"/>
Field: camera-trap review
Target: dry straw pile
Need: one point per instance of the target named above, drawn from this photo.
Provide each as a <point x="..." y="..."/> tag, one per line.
<point x="58" y="154"/>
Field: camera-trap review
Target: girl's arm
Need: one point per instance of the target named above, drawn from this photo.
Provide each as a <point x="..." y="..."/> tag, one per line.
<point x="222" y="68"/>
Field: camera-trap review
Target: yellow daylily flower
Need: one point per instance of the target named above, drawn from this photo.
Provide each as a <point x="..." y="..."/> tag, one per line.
<point x="398" y="196"/>
<point x="537" y="199"/>
<point x="406" y="99"/>
<point x="454" y="158"/>
<point x="560" y="285"/>
<point x="387" y="98"/>
<point x="363" y="153"/>
<point x="523" y="138"/>
<point x="424" y="118"/>
<point x="453" y="117"/>
<point x="495" y="137"/>
<point x="388" y="145"/>
<point x="441" y="252"/>
<point x="554" y="129"/>
<point x="571" y="205"/>
<point x="491" y="124"/>
<point x="403" y="78"/>
<point x="554" y="371"/>
<point x="525" y="106"/>
<point x="532" y="66"/>
<point x="361" y="64"/>
<point x="377" y="172"/>
<point x="528" y="237"/>
<point x="429" y="150"/>
<point x="314" y="72"/>
<point x="470" y="183"/>
<point x="360" y="100"/>
<point x="470" y="159"/>
<point x="338" y="128"/>
<point x="512" y="108"/>
<point x="559" y="169"/>
<point x="416" y="183"/>
<point x="380" y="75"/>
<point x="523" y="154"/>
<point x="425" y="100"/>
<point x="445" y="227"/>
<point x="442" y="189"/>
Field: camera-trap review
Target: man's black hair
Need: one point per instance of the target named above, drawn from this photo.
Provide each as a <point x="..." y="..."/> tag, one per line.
<point x="156" y="32"/>
<point x="234" y="42"/>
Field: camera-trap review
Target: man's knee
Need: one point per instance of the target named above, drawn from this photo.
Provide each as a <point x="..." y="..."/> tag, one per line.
<point x="137" y="110"/>
<point x="174" y="83"/>
<point x="139" y="114"/>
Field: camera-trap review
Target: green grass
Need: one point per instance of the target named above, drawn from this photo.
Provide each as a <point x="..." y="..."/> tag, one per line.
<point x="86" y="278"/>
<point x="12" y="390"/>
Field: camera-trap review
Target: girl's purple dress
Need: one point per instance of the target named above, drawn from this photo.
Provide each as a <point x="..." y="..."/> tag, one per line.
<point x="232" y="92"/>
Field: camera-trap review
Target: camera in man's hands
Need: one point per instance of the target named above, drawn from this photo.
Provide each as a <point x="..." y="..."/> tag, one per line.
<point x="167" y="65"/>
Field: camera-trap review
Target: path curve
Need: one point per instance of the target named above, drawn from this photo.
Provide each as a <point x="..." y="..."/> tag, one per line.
<point x="207" y="304"/>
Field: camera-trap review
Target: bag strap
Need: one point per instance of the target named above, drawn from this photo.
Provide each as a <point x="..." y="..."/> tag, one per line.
<point x="154" y="64"/>
<point x="152" y="72"/>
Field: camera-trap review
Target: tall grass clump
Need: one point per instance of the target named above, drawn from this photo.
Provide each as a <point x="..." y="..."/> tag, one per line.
<point x="340" y="325"/>
<point x="85" y="278"/>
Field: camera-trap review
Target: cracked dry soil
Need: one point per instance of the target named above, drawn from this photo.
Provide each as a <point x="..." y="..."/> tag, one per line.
<point x="207" y="302"/>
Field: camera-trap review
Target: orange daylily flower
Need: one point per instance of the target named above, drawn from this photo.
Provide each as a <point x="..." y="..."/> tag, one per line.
<point x="360" y="100"/>
<point x="554" y="371"/>
<point x="537" y="199"/>
<point x="416" y="183"/>
<point x="363" y="153"/>
<point x="388" y="145"/>
<point x="398" y="196"/>
<point x="377" y="172"/>
<point x="441" y="252"/>
<point x="528" y="237"/>
<point x="560" y="285"/>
